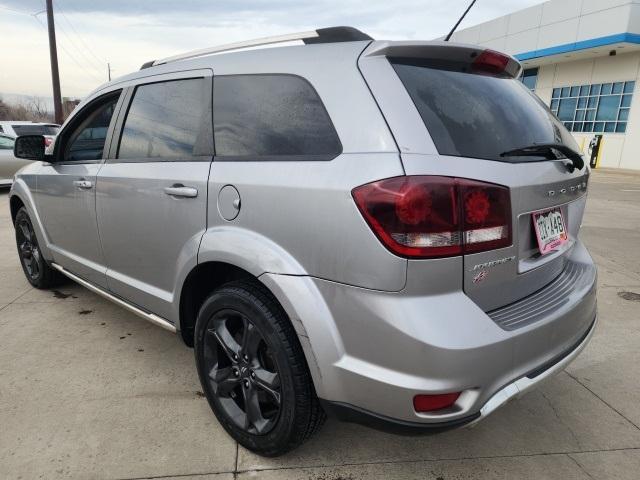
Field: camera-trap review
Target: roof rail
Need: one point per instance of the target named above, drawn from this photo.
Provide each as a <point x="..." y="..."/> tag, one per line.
<point x="321" y="35"/>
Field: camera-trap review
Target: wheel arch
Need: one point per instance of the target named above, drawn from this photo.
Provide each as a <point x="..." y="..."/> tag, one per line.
<point x="21" y="195"/>
<point x="203" y="279"/>
<point x="15" y="203"/>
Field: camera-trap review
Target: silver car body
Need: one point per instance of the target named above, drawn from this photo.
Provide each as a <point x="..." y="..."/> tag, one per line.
<point x="376" y="329"/>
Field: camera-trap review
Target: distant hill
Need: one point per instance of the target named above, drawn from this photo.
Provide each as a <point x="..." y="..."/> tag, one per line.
<point x="17" y="99"/>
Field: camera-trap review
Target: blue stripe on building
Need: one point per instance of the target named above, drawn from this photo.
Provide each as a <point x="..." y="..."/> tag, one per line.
<point x="581" y="45"/>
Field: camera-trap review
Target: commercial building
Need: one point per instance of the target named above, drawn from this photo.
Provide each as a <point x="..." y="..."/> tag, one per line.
<point x="582" y="58"/>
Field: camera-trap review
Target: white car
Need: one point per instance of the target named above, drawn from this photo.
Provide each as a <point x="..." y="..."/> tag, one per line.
<point x="9" y="164"/>
<point x="17" y="128"/>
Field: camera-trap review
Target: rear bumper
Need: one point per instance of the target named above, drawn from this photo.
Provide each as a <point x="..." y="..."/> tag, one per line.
<point x="536" y="377"/>
<point x="349" y="413"/>
<point x="371" y="352"/>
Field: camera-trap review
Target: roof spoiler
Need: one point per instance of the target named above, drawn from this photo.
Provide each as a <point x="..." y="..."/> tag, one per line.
<point x="321" y="35"/>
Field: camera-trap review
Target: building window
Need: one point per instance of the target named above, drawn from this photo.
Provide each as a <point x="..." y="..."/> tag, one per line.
<point x="603" y="107"/>
<point x="530" y="77"/>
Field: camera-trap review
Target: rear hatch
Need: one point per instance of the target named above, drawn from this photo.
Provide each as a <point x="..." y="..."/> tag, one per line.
<point x="480" y="122"/>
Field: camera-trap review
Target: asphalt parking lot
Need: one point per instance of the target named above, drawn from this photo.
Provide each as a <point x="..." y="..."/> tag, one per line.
<point x="87" y="390"/>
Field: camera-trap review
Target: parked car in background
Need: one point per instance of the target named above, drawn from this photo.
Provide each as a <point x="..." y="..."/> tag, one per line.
<point x="17" y="128"/>
<point x="9" y="164"/>
<point x="383" y="231"/>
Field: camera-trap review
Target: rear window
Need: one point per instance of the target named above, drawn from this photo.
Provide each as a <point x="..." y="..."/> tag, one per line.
<point x="35" y="129"/>
<point x="265" y="116"/>
<point x="478" y="115"/>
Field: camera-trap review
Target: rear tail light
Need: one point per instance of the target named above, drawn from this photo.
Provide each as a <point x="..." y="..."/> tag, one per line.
<point x="430" y="217"/>
<point x="47" y="141"/>
<point x="430" y="403"/>
<point x="491" y="61"/>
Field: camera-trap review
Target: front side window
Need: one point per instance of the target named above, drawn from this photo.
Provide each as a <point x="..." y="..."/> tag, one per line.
<point x="164" y="120"/>
<point x="271" y="116"/>
<point x="6" y="143"/>
<point x="602" y="107"/>
<point x="86" y="142"/>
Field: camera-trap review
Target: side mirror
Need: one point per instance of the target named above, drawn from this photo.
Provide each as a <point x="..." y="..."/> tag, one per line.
<point x="29" y="147"/>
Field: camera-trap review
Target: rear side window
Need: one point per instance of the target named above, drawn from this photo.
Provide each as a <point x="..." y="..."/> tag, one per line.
<point x="35" y="129"/>
<point x="271" y="116"/>
<point x="166" y="120"/>
<point x="478" y="115"/>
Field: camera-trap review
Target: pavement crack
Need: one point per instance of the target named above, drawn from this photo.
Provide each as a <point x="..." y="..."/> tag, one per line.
<point x="16" y="299"/>
<point x="235" y="470"/>
<point x="444" y="459"/>
<point x="582" y="469"/>
<point x="603" y="400"/>
<point x="561" y="420"/>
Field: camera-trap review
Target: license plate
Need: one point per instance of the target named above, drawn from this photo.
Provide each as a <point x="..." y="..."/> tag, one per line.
<point x="550" y="230"/>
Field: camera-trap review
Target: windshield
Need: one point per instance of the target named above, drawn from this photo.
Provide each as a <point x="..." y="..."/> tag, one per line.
<point x="36" y="129"/>
<point x="479" y="115"/>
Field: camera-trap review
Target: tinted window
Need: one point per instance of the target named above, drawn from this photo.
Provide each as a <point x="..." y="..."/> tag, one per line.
<point x="87" y="140"/>
<point x="164" y="120"/>
<point x="35" y="129"/>
<point x="530" y="78"/>
<point x="267" y="115"/>
<point x="6" y="143"/>
<point x="481" y="116"/>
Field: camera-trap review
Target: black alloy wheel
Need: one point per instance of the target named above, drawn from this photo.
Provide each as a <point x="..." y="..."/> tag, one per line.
<point x="242" y="372"/>
<point x="38" y="272"/>
<point x="253" y="370"/>
<point x="28" y="248"/>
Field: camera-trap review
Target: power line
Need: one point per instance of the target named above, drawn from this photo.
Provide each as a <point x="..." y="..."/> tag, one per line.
<point x="99" y="80"/>
<point x="101" y="61"/>
<point x="88" y="60"/>
<point x="2" y="7"/>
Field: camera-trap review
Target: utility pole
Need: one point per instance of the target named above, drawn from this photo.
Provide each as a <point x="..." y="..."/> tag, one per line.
<point x="53" y="53"/>
<point x="109" y="70"/>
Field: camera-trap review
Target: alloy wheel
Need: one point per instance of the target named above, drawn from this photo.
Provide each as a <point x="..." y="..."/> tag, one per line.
<point x="242" y="372"/>
<point x="28" y="248"/>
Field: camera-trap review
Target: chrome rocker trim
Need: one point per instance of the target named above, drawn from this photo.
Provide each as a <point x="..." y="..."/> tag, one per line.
<point x="150" y="317"/>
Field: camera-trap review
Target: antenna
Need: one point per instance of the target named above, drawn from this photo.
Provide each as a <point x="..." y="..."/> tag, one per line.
<point x="459" y="21"/>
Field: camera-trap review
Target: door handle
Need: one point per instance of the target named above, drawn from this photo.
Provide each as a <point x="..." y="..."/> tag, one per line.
<point x="181" y="191"/>
<point x="83" y="184"/>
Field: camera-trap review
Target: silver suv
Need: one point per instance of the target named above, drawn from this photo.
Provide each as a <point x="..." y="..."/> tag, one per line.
<point x="382" y="231"/>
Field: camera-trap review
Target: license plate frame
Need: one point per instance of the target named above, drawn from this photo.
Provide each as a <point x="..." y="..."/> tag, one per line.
<point x="550" y="228"/>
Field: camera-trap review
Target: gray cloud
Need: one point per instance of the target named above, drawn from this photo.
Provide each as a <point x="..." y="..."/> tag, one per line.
<point x="127" y="33"/>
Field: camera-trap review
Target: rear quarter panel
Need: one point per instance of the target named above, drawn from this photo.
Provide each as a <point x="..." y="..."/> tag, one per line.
<point x="298" y="217"/>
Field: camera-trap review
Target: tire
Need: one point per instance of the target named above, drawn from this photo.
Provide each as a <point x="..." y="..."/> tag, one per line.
<point x="242" y="318"/>
<point x="35" y="268"/>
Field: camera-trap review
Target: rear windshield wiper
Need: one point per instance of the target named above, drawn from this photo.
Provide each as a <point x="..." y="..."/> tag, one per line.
<point x="548" y="150"/>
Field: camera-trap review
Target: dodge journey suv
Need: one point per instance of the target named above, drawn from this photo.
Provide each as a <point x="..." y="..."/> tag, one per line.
<point x="385" y="232"/>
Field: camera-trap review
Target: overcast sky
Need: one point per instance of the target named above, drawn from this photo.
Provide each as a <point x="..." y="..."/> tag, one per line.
<point x="127" y="33"/>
